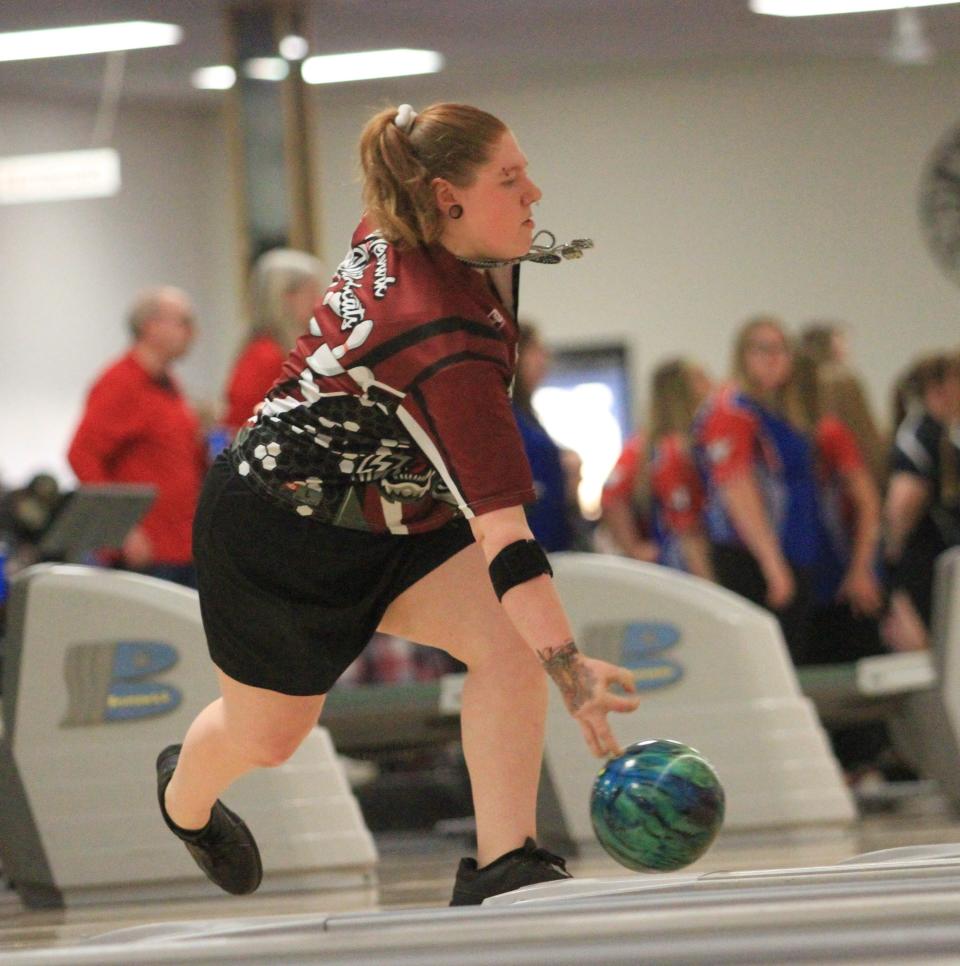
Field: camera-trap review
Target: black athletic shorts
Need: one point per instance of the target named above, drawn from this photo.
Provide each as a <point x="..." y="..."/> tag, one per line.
<point x="737" y="570"/>
<point x="288" y="603"/>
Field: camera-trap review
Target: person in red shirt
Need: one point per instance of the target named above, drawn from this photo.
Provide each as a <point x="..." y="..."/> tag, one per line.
<point x="382" y="486"/>
<point x="850" y="473"/>
<point x="679" y="388"/>
<point x="847" y="595"/>
<point x="138" y="427"/>
<point x="625" y="514"/>
<point x="653" y="500"/>
<point x="284" y="287"/>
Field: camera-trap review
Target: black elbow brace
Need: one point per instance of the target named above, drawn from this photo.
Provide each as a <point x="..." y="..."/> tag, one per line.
<point x="517" y="563"/>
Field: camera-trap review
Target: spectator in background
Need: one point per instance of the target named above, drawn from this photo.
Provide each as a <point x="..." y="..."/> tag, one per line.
<point x="625" y="507"/>
<point x="755" y="451"/>
<point x="825" y="342"/>
<point x="658" y="487"/>
<point x="549" y="515"/>
<point x="285" y="286"/>
<point x="921" y="512"/>
<point x="138" y="427"/>
<point x="679" y="388"/>
<point x="25" y="515"/>
<point x="847" y="595"/>
<point x="843" y="395"/>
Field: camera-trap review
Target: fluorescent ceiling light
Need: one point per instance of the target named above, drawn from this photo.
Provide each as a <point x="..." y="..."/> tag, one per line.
<point x="60" y="176"/>
<point x="92" y="39"/>
<point x="368" y="64"/>
<point x="266" y="68"/>
<point x="221" y="77"/>
<point x="815" y="8"/>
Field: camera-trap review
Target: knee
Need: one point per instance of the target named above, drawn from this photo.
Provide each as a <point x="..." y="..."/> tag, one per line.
<point x="270" y="751"/>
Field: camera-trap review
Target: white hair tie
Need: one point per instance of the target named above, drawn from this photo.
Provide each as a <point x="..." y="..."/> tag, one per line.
<point x="406" y="115"/>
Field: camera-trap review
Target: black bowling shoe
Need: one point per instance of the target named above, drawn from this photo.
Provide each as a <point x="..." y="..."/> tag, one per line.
<point x="521" y="867"/>
<point x="224" y="848"/>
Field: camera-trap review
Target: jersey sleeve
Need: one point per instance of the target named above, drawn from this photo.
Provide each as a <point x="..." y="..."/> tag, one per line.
<point x="461" y="419"/>
<point x="622" y="481"/>
<point x="838" y="447"/>
<point x="916" y="449"/>
<point x="728" y="436"/>
<point x="678" y="489"/>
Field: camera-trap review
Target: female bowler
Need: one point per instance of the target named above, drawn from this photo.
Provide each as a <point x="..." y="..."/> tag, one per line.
<point x="381" y="485"/>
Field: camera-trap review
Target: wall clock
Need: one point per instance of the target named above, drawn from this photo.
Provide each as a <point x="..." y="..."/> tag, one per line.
<point x="940" y="203"/>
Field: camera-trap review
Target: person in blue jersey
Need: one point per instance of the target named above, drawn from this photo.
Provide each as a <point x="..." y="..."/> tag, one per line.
<point x="756" y="455"/>
<point x="549" y="514"/>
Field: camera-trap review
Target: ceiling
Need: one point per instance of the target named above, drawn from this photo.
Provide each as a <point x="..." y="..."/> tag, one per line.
<point x="490" y="35"/>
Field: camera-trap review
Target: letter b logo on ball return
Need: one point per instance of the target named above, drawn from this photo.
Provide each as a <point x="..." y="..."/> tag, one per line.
<point x="108" y="681"/>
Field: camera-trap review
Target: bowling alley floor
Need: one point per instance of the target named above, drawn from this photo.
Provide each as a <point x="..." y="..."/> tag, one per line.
<point x="416" y="872"/>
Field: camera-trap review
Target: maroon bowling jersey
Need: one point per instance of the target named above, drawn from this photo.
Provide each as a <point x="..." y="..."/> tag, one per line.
<point x="393" y="414"/>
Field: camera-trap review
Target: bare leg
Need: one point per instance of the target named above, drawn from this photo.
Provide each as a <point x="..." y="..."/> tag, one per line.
<point x="244" y="729"/>
<point x="504" y="696"/>
<point x="903" y="629"/>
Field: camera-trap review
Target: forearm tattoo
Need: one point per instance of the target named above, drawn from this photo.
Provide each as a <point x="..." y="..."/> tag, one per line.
<point x="569" y="673"/>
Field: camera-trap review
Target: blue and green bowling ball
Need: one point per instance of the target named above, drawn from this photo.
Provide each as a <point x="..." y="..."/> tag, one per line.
<point x="657" y="807"/>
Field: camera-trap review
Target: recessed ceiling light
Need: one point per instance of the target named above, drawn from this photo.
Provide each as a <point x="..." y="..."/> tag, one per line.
<point x="220" y="77"/>
<point x="294" y="47"/>
<point x="368" y="64"/>
<point x="814" y="8"/>
<point x="91" y="39"/>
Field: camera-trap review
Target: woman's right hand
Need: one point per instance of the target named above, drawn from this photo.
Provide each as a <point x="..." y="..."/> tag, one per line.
<point x="591" y="715"/>
<point x="584" y="684"/>
<point x="861" y="589"/>
<point x="645" y="550"/>
<point x="781" y="586"/>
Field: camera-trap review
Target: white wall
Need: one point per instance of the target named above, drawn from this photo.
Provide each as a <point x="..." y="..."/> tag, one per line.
<point x="69" y="270"/>
<point x="711" y="192"/>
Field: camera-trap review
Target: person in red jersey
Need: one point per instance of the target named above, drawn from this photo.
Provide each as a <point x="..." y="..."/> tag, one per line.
<point x="382" y="485"/>
<point x="847" y="594"/>
<point x="138" y="427"/>
<point x="284" y="287"/>
<point x="656" y="485"/>
<point x="679" y="388"/>
<point x="625" y="513"/>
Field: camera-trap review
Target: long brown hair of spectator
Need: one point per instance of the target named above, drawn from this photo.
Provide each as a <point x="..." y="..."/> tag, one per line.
<point x="446" y="141"/>
<point x="804" y="393"/>
<point x="842" y="395"/>
<point x="673" y="400"/>
<point x="818" y="340"/>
